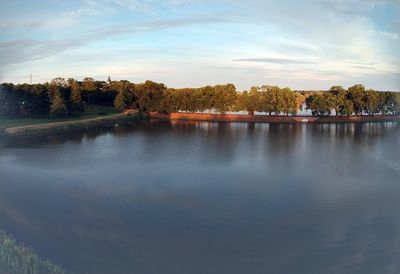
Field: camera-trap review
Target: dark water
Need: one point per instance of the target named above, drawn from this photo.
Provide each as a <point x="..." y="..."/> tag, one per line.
<point x="197" y="197"/>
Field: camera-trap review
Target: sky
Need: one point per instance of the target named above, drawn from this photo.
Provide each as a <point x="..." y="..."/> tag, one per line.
<point x="308" y="44"/>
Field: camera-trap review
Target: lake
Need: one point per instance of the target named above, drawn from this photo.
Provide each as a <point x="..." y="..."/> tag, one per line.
<point x="203" y="197"/>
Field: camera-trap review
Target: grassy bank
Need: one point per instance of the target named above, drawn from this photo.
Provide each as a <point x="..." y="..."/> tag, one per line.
<point x="90" y="112"/>
<point x="19" y="259"/>
<point x="71" y="125"/>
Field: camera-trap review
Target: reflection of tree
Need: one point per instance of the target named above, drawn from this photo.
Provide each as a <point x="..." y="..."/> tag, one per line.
<point x="362" y="133"/>
<point x="282" y="138"/>
<point x="221" y="142"/>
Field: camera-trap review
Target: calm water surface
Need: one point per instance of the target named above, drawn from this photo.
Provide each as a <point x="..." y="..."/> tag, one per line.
<point x="199" y="197"/>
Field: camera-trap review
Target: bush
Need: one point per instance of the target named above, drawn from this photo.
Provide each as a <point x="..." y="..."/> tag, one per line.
<point x="20" y="259"/>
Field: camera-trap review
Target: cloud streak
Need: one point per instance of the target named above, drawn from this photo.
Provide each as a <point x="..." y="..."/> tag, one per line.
<point x="281" y="61"/>
<point x="24" y="50"/>
<point x="108" y="7"/>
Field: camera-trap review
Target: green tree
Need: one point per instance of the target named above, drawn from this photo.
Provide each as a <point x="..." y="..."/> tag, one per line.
<point x="270" y="101"/>
<point x="336" y="90"/>
<point x="9" y="101"/>
<point x="300" y="100"/>
<point x="149" y="95"/>
<point x="390" y="103"/>
<point x="288" y="101"/>
<point x="58" y="81"/>
<point x="372" y="102"/>
<point x="397" y="104"/>
<point x="348" y="108"/>
<point x="58" y="107"/>
<point x="124" y="96"/>
<point x="249" y="101"/>
<point x="76" y="96"/>
<point x="90" y="89"/>
<point x="339" y="95"/>
<point x="121" y="101"/>
<point x="206" y="101"/>
<point x="330" y="102"/>
<point x="356" y="94"/>
<point x="169" y="102"/>
<point x="225" y="97"/>
<point x="321" y="103"/>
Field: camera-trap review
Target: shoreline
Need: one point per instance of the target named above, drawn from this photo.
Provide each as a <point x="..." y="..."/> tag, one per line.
<point x="57" y="127"/>
<point x="272" y="119"/>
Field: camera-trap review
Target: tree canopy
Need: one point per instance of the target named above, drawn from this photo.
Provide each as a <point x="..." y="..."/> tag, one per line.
<point x="65" y="97"/>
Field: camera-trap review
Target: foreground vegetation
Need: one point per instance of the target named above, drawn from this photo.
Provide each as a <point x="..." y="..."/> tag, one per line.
<point x="18" y="259"/>
<point x="65" y="98"/>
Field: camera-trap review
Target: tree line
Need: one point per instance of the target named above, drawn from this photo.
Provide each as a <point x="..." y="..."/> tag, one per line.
<point x="65" y="97"/>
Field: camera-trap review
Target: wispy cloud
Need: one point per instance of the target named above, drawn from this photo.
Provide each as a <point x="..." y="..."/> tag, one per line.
<point x="281" y="61"/>
<point x="24" y="50"/>
<point x="15" y="26"/>
<point x="364" y="67"/>
<point x="154" y="26"/>
<point x="108" y="7"/>
<point x="105" y="7"/>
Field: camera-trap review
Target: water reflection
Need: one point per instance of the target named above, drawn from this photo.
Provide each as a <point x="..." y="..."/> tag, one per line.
<point x="199" y="197"/>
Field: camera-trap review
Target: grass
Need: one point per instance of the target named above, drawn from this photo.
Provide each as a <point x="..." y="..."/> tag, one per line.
<point x="19" y="259"/>
<point x="90" y="112"/>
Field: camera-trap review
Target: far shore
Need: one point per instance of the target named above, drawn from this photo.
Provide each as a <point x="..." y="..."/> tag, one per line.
<point x="62" y="126"/>
<point x="273" y="119"/>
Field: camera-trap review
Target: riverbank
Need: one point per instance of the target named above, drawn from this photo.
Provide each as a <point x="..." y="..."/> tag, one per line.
<point x="57" y="127"/>
<point x="91" y="111"/>
<point x="271" y="119"/>
<point x="16" y="258"/>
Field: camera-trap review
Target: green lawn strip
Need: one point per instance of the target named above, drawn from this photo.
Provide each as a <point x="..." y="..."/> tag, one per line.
<point x="90" y="112"/>
<point x="19" y="259"/>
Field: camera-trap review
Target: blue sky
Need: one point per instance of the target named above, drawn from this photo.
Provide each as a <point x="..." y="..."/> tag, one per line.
<point x="301" y="44"/>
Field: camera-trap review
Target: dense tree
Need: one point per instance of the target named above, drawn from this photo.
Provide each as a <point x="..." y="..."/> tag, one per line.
<point x="268" y="99"/>
<point x="320" y="104"/>
<point x="289" y="101"/>
<point x="9" y="101"/>
<point x="337" y="90"/>
<point x="76" y="95"/>
<point x="348" y="108"/>
<point x="390" y="103"/>
<point x="59" y="81"/>
<point x="356" y="94"/>
<point x="299" y="102"/>
<point x="224" y="98"/>
<point x="90" y="90"/>
<point x="397" y="104"/>
<point x="187" y="99"/>
<point x="323" y="103"/>
<point x="149" y="95"/>
<point x="169" y="102"/>
<point x="339" y="97"/>
<point x="371" y="102"/>
<point x="124" y="96"/>
<point x="206" y="101"/>
<point x="58" y="107"/>
<point x="63" y="97"/>
<point x="249" y="101"/>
